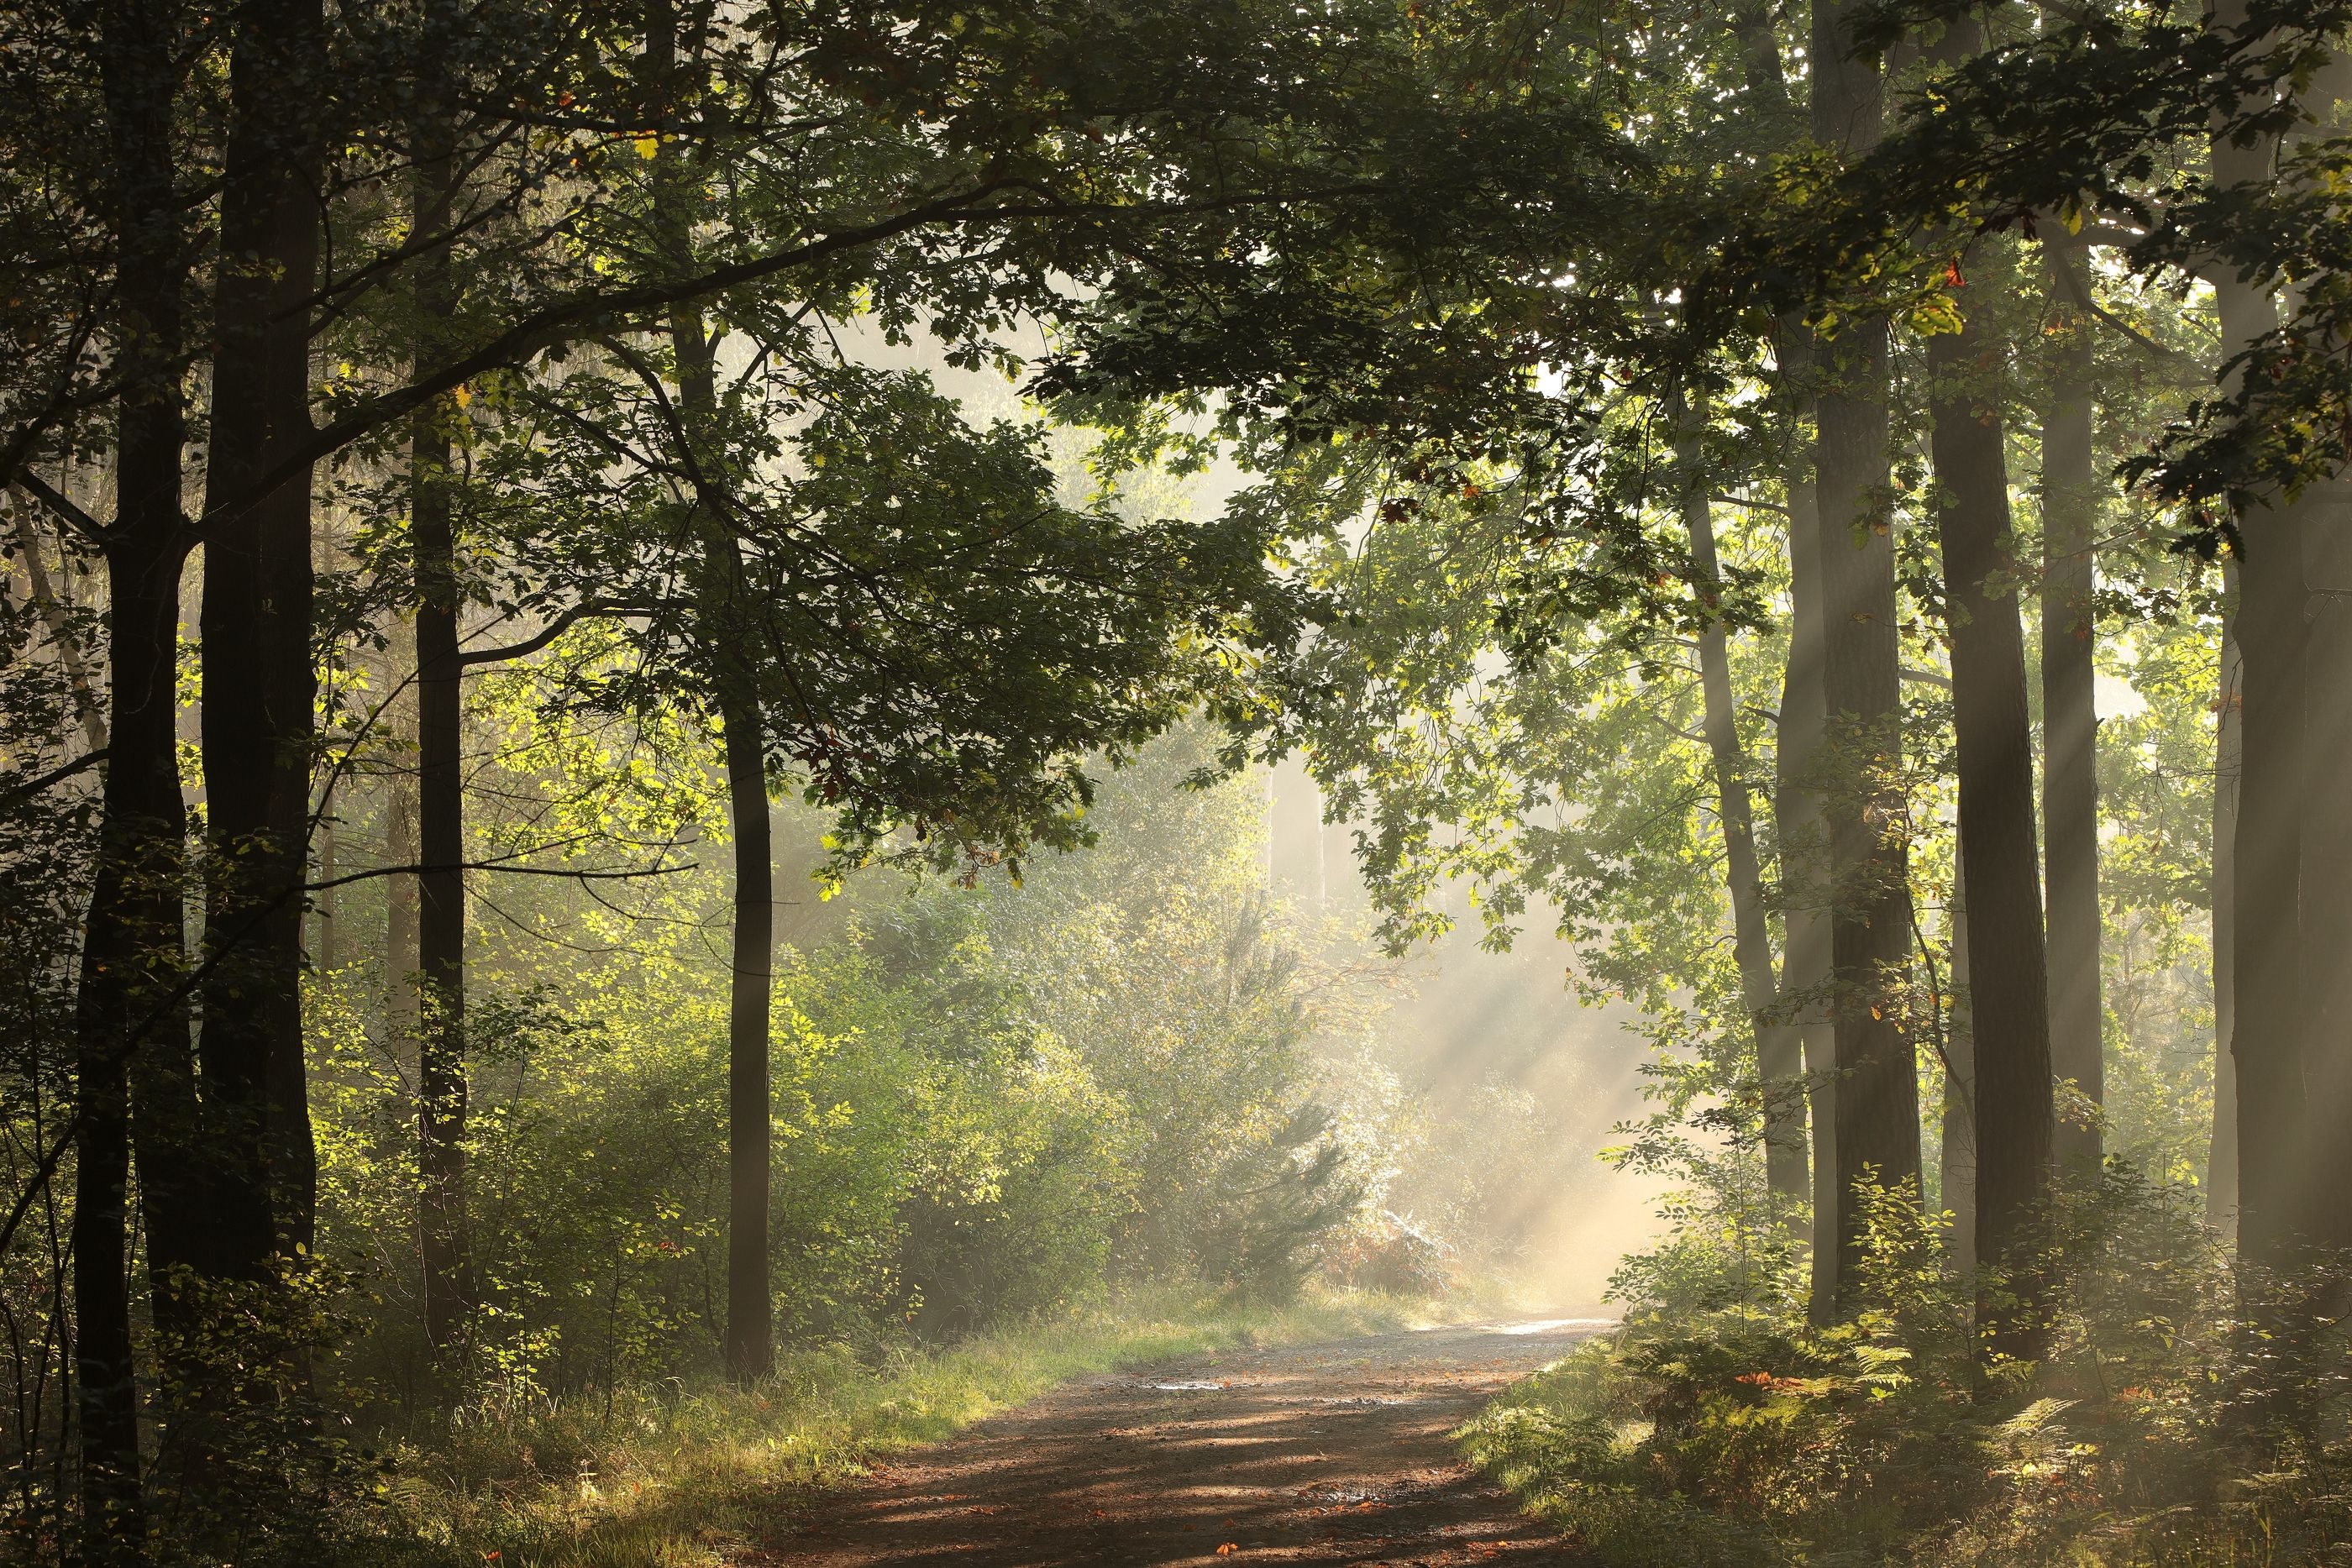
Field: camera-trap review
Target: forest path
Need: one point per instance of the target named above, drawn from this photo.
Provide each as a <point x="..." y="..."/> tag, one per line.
<point x="1317" y="1454"/>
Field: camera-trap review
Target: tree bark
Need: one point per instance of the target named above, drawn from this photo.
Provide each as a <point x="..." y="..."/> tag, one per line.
<point x="131" y="1036"/>
<point x="2070" y="775"/>
<point x="2266" y="983"/>
<point x="260" y="685"/>
<point x="721" y="611"/>
<point x="2221" y="1153"/>
<point x="1959" y="1156"/>
<point x="1777" y="1043"/>
<point x="1804" y="833"/>
<point x="2323" y="514"/>
<point x="2000" y="861"/>
<point x="131" y="1056"/>
<point x="2324" y="517"/>
<point x="1800" y="826"/>
<point x="750" y="1330"/>
<point x="401" y="961"/>
<point x="724" y="617"/>
<point x="1877" y="1100"/>
<point x="441" y="1086"/>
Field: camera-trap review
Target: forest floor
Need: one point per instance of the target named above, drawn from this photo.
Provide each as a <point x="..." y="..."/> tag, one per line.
<point x="1330" y="1453"/>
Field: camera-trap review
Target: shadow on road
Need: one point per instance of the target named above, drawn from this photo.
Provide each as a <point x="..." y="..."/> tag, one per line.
<point x="1321" y="1454"/>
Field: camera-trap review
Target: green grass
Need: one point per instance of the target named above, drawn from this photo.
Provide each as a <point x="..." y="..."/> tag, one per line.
<point x="672" y="1478"/>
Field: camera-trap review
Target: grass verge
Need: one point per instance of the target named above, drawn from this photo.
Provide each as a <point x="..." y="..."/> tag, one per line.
<point x="672" y="1478"/>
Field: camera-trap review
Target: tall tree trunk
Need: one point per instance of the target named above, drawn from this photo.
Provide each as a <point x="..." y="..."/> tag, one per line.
<point x="725" y="619"/>
<point x="1779" y="1046"/>
<point x="2324" y="518"/>
<point x="2266" y="984"/>
<point x="1958" y="1163"/>
<point x="130" y="1040"/>
<point x="751" y="1332"/>
<point x="131" y="1036"/>
<point x="2221" y="1152"/>
<point x="1877" y="1108"/>
<point x="2070" y="774"/>
<point x="441" y="1086"/>
<point x="1994" y="730"/>
<point x="401" y="961"/>
<point x="259" y="686"/>
<point x="1801" y="828"/>
<point x="2324" y="513"/>
<point x="724" y="614"/>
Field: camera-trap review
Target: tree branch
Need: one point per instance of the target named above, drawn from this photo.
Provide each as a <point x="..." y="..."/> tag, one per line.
<point x="81" y="522"/>
<point x="57" y="775"/>
<point x="545" y="634"/>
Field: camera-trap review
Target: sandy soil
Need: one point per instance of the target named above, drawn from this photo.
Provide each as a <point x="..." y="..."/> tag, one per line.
<point x="1320" y="1454"/>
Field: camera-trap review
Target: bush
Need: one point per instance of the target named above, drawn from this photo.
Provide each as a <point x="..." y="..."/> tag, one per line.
<point x="2165" y="1426"/>
<point x="1388" y="1252"/>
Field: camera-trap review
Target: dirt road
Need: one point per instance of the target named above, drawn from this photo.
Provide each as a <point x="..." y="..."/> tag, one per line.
<point x="1322" y="1454"/>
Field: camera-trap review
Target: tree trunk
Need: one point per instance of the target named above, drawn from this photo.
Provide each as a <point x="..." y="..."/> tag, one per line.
<point x="1779" y="1046"/>
<point x="401" y="961"/>
<point x="723" y="613"/>
<point x="2070" y="774"/>
<point x="724" y="618"/>
<point x="441" y="1086"/>
<point x="1803" y="831"/>
<point x="1958" y="1163"/>
<point x="2221" y="1154"/>
<point x="260" y="685"/>
<point x="2266" y="982"/>
<point x="751" y="1347"/>
<point x="2324" y="518"/>
<point x="1994" y="730"/>
<point x="131" y="1057"/>
<point x="1877" y="1101"/>
<point x="132" y="1047"/>
<point x="1800" y="824"/>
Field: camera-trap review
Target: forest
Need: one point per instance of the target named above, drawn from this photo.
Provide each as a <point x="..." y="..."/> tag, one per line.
<point x="1147" y="781"/>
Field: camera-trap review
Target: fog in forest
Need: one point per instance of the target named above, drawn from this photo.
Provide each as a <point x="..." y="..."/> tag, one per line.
<point x="1470" y="1031"/>
<point x="1058" y="785"/>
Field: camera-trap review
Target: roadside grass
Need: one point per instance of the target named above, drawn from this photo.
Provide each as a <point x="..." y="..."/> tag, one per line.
<point x="655" y="1478"/>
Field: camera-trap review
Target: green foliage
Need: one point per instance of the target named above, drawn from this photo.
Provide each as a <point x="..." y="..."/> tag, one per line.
<point x="986" y="1102"/>
<point x="249" y="1456"/>
<point x="2164" y="1425"/>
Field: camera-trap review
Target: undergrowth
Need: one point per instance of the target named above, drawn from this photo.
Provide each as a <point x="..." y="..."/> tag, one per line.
<point x="671" y="1476"/>
<point x="2165" y="1426"/>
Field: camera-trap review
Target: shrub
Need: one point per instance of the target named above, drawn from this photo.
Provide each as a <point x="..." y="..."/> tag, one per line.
<point x="2166" y="1425"/>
